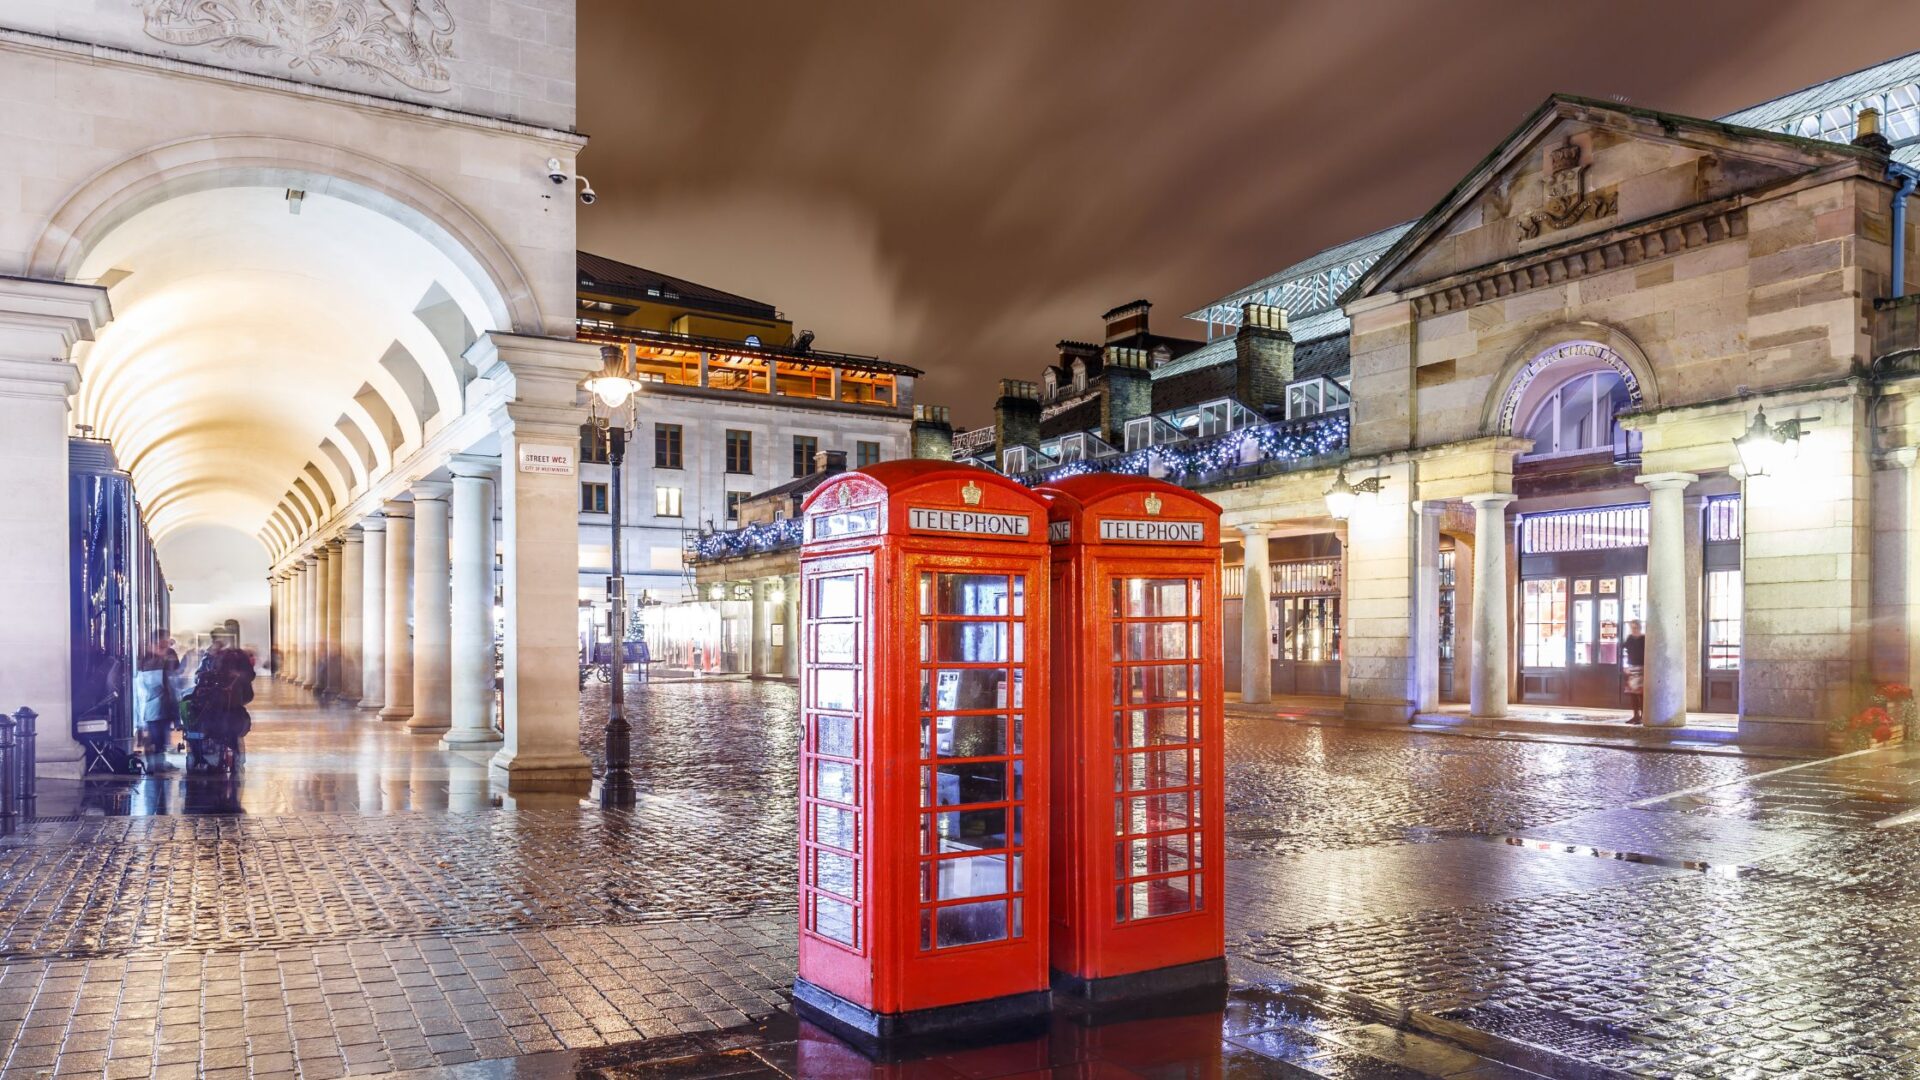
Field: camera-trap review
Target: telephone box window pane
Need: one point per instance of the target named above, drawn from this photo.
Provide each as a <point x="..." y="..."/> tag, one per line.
<point x="833" y="919"/>
<point x="970" y="830"/>
<point x="1152" y="813"/>
<point x="832" y="825"/>
<point x="1150" y="727"/>
<point x="970" y="924"/>
<point x="835" y="873"/>
<point x="1155" y="641"/>
<point x="833" y="735"/>
<point x="1147" y="899"/>
<point x="1148" y="685"/>
<point x="967" y="736"/>
<point x="973" y="782"/>
<point x="1160" y="855"/>
<point x="971" y="642"/>
<point x="836" y="598"/>
<point x="1150" y="598"/>
<point x="965" y="688"/>
<point x="965" y="594"/>
<point x="833" y="780"/>
<point x="833" y="643"/>
<point x="970" y="876"/>
<point x="834" y="688"/>
<point x="1152" y="771"/>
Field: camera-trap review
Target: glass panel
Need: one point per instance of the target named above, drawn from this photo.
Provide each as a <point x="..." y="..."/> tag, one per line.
<point x="1583" y="630"/>
<point x="1158" y="855"/>
<point x="1633" y="598"/>
<point x="1147" y="899"/>
<point x="834" y="688"/>
<point x="834" y="781"/>
<point x="1576" y="414"/>
<point x="1543" y="642"/>
<point x="970" y="830"/>
<point x="971" y="875"/>
<point x="1153" y="770"/>
<point x="967" y="736"/>
<point x="835" y="598"/>
<point x="1609" y="650"/>
<point x="965" y="688"/>
<point x="970" y="924"/>
<point x="833" y="643"/>
<point x="971" y="642"/>
<point x="833" y="918"/>
<point x="972" y="782"/>
<point x="964" y="594"/>
<point x="1152" y="813"/>
<point x="1723" y="620"/>
<point x="832" y="825"/>
<point x="1147" y="685"/>
<point x="835" y="873"/>
<point x="1151" y="598"/>
<point x="833" y="735"/>
<point x="1157" y="641"/>
<point x="1150" y="727"/>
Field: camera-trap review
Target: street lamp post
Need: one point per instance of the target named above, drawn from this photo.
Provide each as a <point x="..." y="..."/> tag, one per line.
<point x="612" y="389"/>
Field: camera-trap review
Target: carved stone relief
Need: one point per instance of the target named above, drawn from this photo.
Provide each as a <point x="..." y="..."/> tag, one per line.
<point x="407" y="41"/>
<point x="1568" y="202"/>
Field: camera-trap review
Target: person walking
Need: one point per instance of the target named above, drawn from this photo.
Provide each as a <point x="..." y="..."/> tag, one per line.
<point x="156" y="708"/>
<point x="1633" y="663"/>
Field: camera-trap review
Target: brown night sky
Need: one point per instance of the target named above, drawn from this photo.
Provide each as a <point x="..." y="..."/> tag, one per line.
<point x="959" y="185"/>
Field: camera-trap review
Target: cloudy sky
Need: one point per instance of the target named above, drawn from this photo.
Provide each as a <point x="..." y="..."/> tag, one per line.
<point x="958" y="185"/>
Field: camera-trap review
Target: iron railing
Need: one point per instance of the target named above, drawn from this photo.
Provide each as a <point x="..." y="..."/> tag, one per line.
<point x="19" y="798"/>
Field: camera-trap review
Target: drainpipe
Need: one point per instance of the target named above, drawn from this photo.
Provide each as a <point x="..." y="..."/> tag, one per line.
<point x="1907" y="179"/>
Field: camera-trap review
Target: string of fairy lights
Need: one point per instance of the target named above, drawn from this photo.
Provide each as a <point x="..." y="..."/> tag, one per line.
<point x="1189" y="464"/>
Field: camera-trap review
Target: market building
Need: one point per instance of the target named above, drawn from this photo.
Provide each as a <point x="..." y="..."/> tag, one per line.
<point x="1461" y="455"/>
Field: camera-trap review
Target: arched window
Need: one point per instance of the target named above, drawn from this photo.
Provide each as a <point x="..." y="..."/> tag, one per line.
<point x="1579" y="414"/>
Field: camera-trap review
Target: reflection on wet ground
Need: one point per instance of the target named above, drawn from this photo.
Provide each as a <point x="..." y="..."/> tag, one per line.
<point x="1399" y="904"/>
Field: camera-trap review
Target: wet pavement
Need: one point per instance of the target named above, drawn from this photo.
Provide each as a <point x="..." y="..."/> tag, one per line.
<point x="1398" y="905"/>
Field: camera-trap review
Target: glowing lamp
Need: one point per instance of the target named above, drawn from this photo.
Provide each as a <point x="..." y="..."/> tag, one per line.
<point x="614" y="383"/>
<point x="1767" y="448"/>
<point x="1342" y="496"/>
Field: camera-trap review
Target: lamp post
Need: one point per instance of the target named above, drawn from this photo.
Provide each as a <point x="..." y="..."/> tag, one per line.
<point x="1344" y="493"/>
<point x="612" y="390"/>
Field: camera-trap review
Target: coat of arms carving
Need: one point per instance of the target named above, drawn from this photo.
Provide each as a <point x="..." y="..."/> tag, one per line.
<point x="408" y="41"/>
<point x="1568" y="201"/>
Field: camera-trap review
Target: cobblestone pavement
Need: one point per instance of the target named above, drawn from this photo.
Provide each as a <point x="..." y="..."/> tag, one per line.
<point x="382" y="910"/>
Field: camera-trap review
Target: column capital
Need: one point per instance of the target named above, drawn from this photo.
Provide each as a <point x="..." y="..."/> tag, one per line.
<point x="431" y="490"/>
<point x="372" y="523"/>
<point x="1260" y="529"/>
<point x="44" y="319"/>
<point x="474" y="466"/>
<point x="1429" y="507"/>
<point x="1492" y="500"/>
<point x="1666" y="481"/>
<point x="334" y="544"/>
<point x="312" y="559"/>
<point x="396" y="508"/>
<point x="350" y="535"/>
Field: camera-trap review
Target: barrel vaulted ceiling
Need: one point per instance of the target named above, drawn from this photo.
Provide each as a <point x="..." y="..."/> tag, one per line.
<point x="270" y="354"/>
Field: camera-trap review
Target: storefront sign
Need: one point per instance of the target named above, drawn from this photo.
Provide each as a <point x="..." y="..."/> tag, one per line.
<point x="554" y="458"/>
<point x="971" y="522"/>
<point x="1153" y="532"/>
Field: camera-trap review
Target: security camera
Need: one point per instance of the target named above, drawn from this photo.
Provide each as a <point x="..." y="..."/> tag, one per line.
<point x="555" y="173"/>
<point x="587" y="196"/>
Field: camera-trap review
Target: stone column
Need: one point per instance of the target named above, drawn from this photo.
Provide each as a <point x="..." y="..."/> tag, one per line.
<point x="336" y="613"/>
<point x="1426" y="605"/>
<point x="472" y="606"/>
<point x="397" y="701"/>
<point x="432" y="611"/>
<point x="790" y="629"/>
<point x="311" y="621"/>
<point x="1665" y="700"/>
<point x="1487" y="693"/>
<point x="296" y="620"/>
<point x="352" y="594"/>
<point x="373" y="607"/>
<point x="757" y="664"/>
<point x="1696" y="573"/>
<point x="323" y="620"/>
<point x="540" y="539"/>
<point x="1256" y="622"/>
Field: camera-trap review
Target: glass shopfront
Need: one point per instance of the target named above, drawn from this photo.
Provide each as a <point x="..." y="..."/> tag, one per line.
<point x="1582" y="580"/>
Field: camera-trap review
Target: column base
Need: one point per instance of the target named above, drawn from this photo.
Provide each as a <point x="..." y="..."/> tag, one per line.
<point x="427" y="725"/>
<point x="468" y="739"/>
<point x="394" y="714"/>
<point x="371" y="704"/>
<point x="869" y="1030"/>
<point x="544" y="772"/>
<point x="1381" y="713"/>
<point x="1159" y="982"/>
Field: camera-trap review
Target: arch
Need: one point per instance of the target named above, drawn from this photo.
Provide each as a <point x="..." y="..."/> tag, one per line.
<point x="152" y="176"/>
<point x="1584" y="340"/>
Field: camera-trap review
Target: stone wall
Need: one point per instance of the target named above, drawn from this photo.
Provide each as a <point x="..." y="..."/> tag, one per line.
<point x="504" y="58"/>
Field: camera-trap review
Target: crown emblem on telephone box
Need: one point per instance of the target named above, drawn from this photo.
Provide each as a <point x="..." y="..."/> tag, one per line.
<point x="970" y="494"/>
<point x="1153" y="504"/>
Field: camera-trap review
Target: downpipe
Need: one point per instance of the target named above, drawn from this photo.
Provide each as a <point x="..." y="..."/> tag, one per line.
<point x="1908" y="179"/>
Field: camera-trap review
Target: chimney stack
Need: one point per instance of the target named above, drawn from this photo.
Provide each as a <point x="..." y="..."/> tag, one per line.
<point x="1016" y="416"/>
<point x="830" y="461"/>
<point x="932" y="432"/>
<point x="1129" y="393"/>
<point x="1263" y="355"/>
<point x="1126" y="320"/>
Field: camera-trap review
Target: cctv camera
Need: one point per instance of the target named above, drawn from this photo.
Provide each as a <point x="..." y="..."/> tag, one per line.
<point x="555" y="173"/>
<point x="586" y="192"/>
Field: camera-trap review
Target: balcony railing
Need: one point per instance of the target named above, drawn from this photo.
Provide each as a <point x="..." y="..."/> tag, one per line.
<point x="745" y="542"/>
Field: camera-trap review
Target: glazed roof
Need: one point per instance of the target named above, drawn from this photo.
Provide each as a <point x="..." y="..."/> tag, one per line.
<point x="601" y="274"/>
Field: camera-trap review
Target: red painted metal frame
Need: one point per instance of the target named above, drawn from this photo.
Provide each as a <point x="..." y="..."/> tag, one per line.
<point x="859" y="525"/>
<point x="1090" y="940"/>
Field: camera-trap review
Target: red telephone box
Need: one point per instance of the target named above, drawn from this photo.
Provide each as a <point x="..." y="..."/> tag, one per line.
<point x="1139" y="805"/>
<point x="923" y="782"/>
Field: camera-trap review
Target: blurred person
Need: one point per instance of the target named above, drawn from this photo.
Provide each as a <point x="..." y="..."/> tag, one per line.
<point x="1633" y="664"/>
<point x="156" y="706"/>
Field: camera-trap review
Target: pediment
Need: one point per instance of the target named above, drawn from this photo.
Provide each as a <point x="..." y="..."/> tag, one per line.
<point x="1577" y="169"/>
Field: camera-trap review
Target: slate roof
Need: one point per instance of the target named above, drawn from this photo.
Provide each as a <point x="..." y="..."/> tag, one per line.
<point x="1081" y="416"/>
<point x="601" y="274"/>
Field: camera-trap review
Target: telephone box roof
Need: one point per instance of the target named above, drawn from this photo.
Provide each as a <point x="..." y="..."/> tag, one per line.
<point x="1074" y="495"/>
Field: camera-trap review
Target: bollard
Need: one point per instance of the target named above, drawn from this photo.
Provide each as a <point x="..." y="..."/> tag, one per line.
<point x="26" y="738"/>
<point x="9" y="773"/>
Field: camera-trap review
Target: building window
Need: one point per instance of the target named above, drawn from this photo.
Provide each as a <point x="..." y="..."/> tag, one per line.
<point x="804" y="447"/>
<point x="1543" y="623"/>
<point x="865" y="454"/>
<point x="1448" y="584"/>
<point x="666" y="502"/>
<point x="739" y="451"/>
<point x="593" y="444"/>
<point x="593" y="498"/>
<point x="1016" y="459"/>
<point x="1138" y="432"/>
<point x="666" y="446"/>
<point x="734" y="499"/>
<point x="1723" y="519"/>
<point x="1601" y="529"/>
<point x="1723" y="620"/>
<point x="1579" y="415"/>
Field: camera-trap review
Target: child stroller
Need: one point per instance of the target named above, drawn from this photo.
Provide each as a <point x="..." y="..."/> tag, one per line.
<point x="214" y="716"/>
